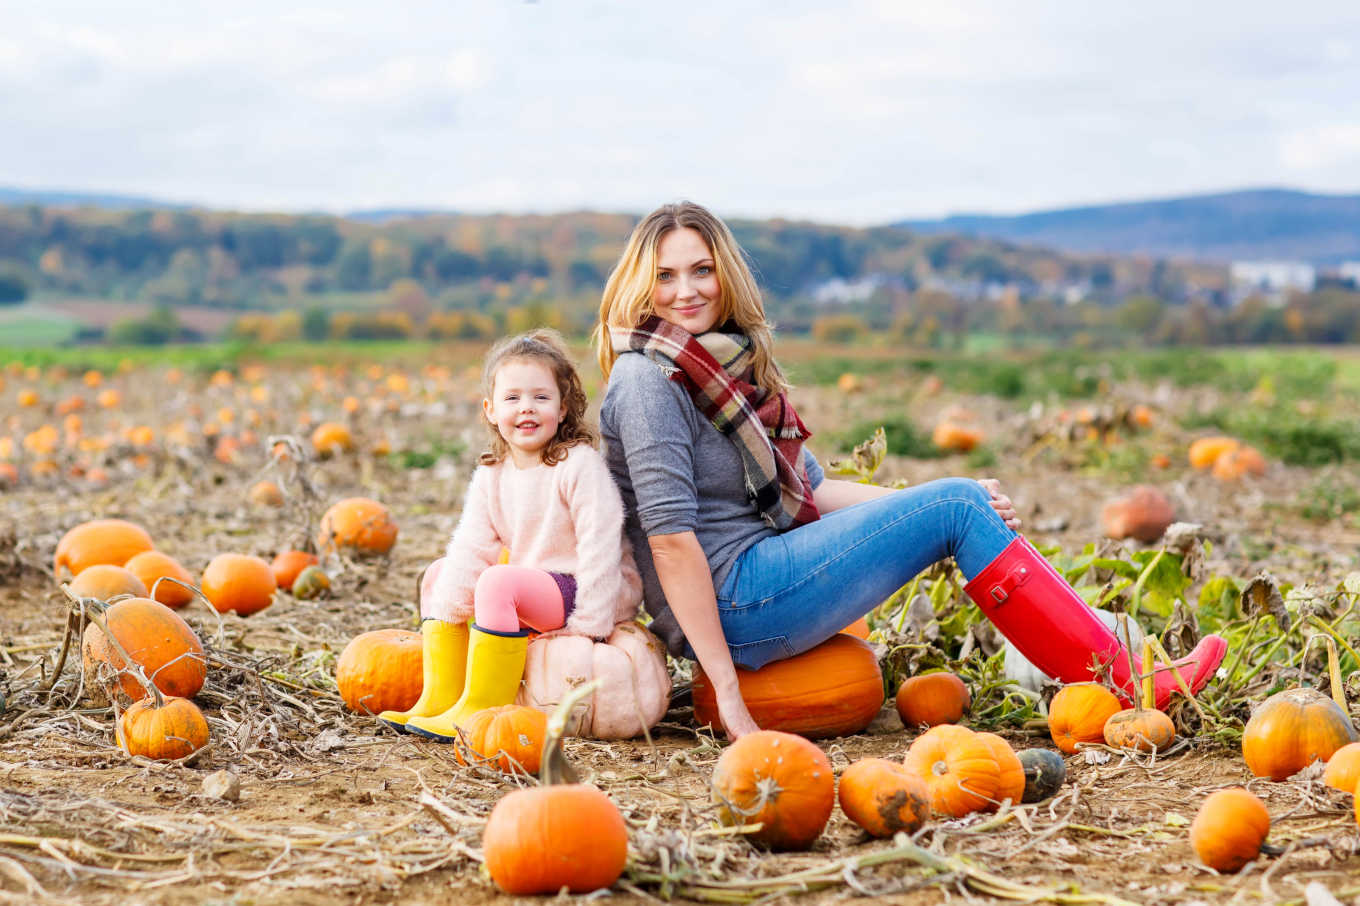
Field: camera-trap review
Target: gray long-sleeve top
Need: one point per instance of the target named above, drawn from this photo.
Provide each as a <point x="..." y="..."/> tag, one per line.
<point x="676" y="473"/>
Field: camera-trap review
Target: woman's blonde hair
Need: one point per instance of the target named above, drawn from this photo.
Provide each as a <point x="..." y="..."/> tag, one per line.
<point x="543" y="345"/>
<point x="627" y="300"/>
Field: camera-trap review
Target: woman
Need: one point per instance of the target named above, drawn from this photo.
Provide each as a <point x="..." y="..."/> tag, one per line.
<point x="748" y="552"/>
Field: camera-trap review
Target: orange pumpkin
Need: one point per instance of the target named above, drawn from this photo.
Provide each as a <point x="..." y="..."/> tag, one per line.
<point x="331" y="438"/>
<point x="1206" y="451"/>
<point x="1010" y="781"/>
<point x="511" y="735"/>
<point x="1229" y="829"/>
<point x="835" y="689"/>
<point x="542" y="839"/>
<point x="381" y="671"/>
<point x="859" y="629"/>
<point x="1078" y="714"/>
<point x="956" y="438"/>
<point x="781" y="781"/>
<point x="958" y="768"/>
<point x="238" y="582"/>
<point x="155" y="637"/>
<point x="1238" y="462"/>
<point x="1292" y="729"/>
<point x="1343" y="768"/>
<point x="883" y="797"/>
<point x="151" y="566"/>
<point x="104" y="581"/>
<point x="265" y="493"/>
<point x="100" y="541"/>
<point x="164" y="731"/>
<point x="1143" y="513"/>
<point x="288" y="564"/>
<point x="359" y="526"/>
<point x="931" y="699"/>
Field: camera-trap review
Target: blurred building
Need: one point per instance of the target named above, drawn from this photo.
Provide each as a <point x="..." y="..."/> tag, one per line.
<point x="1274" y="280"/>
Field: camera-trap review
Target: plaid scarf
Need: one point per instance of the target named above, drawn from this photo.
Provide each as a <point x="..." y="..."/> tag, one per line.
<point x="716" y="368"/>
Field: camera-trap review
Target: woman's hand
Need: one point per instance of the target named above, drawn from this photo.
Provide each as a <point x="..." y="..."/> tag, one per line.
<point x="736" y="717"/>
<point x="1001" y="503"/>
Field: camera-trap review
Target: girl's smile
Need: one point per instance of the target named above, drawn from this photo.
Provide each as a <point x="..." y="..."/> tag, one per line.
<point x="526" y="407"/>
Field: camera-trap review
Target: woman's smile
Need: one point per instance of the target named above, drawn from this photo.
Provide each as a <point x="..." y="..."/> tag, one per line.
<point x="687" y="292"/>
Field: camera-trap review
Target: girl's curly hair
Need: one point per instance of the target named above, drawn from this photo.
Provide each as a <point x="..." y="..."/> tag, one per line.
<point x="543" y="345"/>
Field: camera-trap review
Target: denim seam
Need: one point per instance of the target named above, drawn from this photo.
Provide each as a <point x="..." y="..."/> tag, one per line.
<point x="827" y="565"/>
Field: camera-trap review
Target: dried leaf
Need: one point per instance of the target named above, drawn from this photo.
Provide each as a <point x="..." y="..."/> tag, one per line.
<point x="1262" y="596"/>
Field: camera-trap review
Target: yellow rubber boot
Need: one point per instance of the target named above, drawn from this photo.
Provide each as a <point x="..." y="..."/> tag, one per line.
<point x="444" y="665"/>
<point x="495" y="665"/>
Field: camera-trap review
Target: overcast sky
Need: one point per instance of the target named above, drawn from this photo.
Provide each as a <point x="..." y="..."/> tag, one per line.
<point x="853" y="112"/>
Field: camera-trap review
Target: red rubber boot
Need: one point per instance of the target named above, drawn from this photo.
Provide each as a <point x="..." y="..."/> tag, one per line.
<point x="1032" y="605"/>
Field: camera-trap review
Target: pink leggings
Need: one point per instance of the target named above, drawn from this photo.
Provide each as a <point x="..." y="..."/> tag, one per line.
<point x="508" y="598"/>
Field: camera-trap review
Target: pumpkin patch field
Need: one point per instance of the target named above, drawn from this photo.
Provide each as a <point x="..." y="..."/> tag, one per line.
<point x="210" y="571"/>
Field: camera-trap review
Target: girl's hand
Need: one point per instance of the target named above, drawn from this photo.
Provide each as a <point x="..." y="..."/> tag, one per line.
<point x="1001" y="503"/>
<point x="736" y="717"/>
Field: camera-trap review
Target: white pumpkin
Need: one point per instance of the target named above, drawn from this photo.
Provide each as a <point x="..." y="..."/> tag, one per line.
<point x="632" y="663"/>
<point x="1028" y="676"/>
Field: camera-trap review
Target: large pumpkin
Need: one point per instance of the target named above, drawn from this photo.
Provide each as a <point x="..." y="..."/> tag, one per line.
<point x="165" y="732"/>
<point x="511" y="735"/>
<point x="1010" y="773"/>
<point x="155" y="637"/>
<point x="1229" y="829"/>
<point x="883" y="797"/>
<point x="104" y="581"/>
<point x="958" y="768"/>
<point x="100" y="541"/>
<point x="1078" y="714"/>
<point x="238" y="582"/>
<point x="778" y="780"/>
<point x="632" y="662"/>
<point x="151" y="566"/>
<point x="1343" y="768"/>
<point x="835" y="689"/>
<point x="381" y="671"/>
<point x="1292" y="729"/>
<point x="358" y="526"/>
<point x="542" y="839"/>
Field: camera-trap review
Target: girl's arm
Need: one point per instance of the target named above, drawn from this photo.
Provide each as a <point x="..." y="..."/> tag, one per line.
<point x="596" y="512"/>
<point x="473" y="546"/>
<point x="687" y="582"/>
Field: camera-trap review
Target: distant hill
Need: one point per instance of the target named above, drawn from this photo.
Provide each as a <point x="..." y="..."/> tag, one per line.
<point x="1258" y="223"/>
<point x="58" y="198"/>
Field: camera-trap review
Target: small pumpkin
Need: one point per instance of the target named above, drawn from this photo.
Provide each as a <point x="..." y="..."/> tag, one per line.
<point x="781" y="781"/>
<point x="331" y="438"/>
<point x="834" y="689"/>
<point x="1343" y="768"/>
<point x="954" y="437"/>
<point x="104" y="581"/>
<point x="931" y="699"/>
<point x="541" y="839"/>
<point x="156" y="638"/>
<point x="1140" y="729"/>
<point x="958" y="768"/>
<point x="311" y="583"/>
<point x="1229" y="829"/>
<point x="265" y="494"/>
<point x="381" y="671"/>
<point x="511" y="735"/>
<point x="1010" y="782"/>
<point x="1292" y="729"/>
<point x="883" y="797"/>
<point x="238" y="582"/>
<point x="359" y="526"/>
<point x="151" y="567"/>
<point x="288" y="564"/>
<point x="99" y="541"/>
<point x="1143" y="514"/>
<point x="1078" y="714"/>
<point x="1206" y="451"/>
<point x="632" y="663"/>
<point x="1238" y="462"/>
<point x="1045" y="772"/>
<point x="165" y="730"/>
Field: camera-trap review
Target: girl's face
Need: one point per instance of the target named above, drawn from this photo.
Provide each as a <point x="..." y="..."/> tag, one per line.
<point x="526" y="408"/>
<point x="687" y="293"/>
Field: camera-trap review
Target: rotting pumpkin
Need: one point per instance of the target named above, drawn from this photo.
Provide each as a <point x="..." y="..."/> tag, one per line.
<point x="156" y="638"/>
<point x="883" y="797"/>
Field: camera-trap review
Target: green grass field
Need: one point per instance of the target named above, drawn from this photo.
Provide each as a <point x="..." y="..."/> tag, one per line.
<point x="32" y="325"/>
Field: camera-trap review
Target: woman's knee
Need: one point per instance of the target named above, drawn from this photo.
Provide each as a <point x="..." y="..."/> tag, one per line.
<point x="966" y="489"/>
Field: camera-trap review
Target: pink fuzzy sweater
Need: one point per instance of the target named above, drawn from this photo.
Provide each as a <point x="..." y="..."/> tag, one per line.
<point x="566" y="518"/>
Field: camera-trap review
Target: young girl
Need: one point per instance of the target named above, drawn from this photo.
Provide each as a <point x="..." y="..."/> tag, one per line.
<point x="543" y="492"/>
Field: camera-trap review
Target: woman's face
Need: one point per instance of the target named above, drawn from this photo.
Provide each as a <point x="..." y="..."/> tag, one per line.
<point x="687" y="293"/>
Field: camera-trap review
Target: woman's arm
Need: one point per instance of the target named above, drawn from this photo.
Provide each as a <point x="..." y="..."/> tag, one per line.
<point x="683" y="571"/>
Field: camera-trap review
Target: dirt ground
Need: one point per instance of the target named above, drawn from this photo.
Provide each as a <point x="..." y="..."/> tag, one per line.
<point x="334" y="808"/>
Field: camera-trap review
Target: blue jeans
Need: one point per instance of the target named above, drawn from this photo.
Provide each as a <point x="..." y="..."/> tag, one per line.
<point x="790" y="592"/>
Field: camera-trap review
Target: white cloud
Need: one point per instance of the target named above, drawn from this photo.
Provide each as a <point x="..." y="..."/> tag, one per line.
<point x="1322" y="147"/>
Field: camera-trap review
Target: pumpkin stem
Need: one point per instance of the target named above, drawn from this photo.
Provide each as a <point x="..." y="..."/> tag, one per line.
<point x="1334" y="675"/>
<point x="1149" y="691"/>
<point x="555" y="768"/>
<point x="1134" y="673"/>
